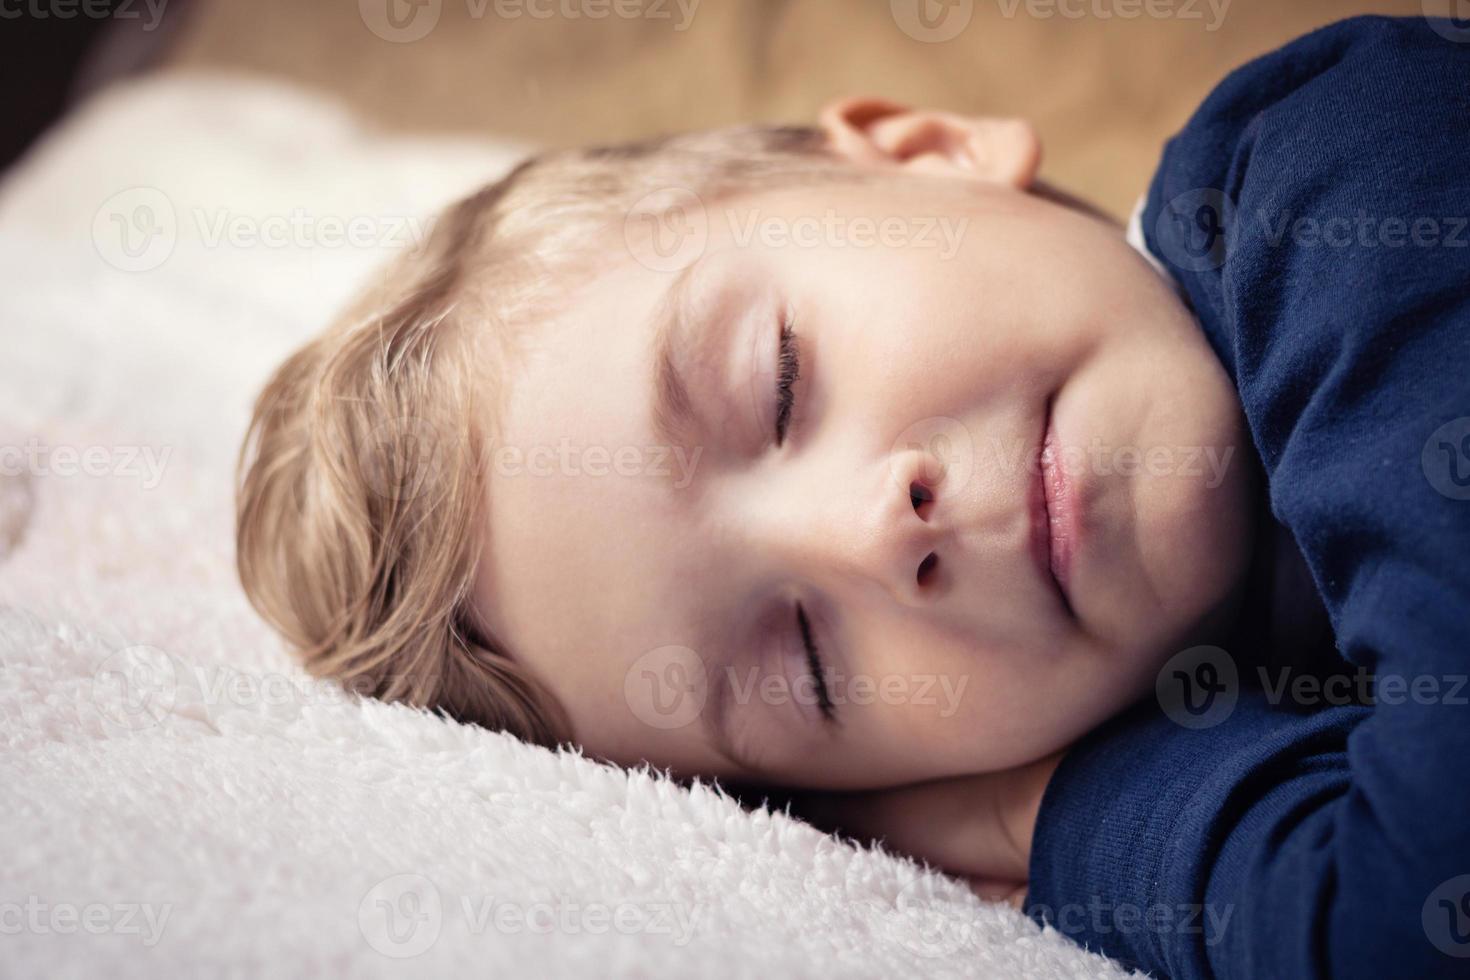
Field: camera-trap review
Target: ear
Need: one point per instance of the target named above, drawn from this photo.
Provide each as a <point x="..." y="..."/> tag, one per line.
<point x="876" y="133"/>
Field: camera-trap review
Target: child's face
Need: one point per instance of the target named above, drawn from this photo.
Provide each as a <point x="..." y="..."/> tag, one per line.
<point x="901" y="509"/>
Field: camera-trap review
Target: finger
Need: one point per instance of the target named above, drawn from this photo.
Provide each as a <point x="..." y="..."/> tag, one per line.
<point x="998" y="890"/>
<point x="954" y="824"/>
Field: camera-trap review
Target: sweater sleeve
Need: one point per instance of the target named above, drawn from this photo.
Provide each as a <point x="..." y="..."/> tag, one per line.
<point x="1314" y="212"/>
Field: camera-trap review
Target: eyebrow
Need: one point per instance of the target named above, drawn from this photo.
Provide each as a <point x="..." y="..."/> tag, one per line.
<point x="674" y="417"/>
<point x="717" y="715"/>
<point x="675" y="421"/>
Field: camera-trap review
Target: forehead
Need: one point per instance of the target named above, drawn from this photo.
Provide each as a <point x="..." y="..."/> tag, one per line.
<point x="580" y="494"/>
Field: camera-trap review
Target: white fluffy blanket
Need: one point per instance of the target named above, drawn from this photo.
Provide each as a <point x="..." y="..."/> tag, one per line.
<point x="177" y="799"/>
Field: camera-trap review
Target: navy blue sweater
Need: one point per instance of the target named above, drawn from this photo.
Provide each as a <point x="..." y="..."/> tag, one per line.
<point x="1314" y="211"/>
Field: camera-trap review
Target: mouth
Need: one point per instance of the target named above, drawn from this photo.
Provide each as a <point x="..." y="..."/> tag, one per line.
<point x="1054" y="517"/>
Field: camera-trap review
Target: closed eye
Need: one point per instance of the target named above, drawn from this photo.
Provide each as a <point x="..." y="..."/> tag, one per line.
<point x="788" y="372"/>
<point x="815" y="665"/>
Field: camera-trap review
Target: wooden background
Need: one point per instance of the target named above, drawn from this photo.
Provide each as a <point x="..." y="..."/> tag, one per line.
<point x="1104" y="91"/>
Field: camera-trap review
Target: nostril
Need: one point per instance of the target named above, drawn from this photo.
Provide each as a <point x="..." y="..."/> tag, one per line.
<point x="927" y="568"/>
<point x="921" y="497"/>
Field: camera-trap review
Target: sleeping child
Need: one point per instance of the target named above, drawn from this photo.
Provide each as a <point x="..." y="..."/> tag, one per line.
<point x="1124" y="572"/>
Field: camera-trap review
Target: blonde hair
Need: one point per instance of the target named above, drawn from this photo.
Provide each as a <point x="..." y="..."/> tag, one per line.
<point x="361" y="489"/>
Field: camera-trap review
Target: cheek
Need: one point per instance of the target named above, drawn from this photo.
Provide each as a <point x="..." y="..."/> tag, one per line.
<point x="934" y="699"/>
<point x="941" y="703"/>
<point x="925" y="337"/>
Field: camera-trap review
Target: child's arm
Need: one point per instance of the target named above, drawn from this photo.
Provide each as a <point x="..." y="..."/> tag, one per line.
<point x="978" y="827"/>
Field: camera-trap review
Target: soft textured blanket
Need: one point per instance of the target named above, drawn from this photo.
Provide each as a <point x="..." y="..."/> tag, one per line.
<point x="176" y="797"/>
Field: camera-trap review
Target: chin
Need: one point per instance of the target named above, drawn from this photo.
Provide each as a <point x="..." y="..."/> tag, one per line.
<point x="1209" y="531"/>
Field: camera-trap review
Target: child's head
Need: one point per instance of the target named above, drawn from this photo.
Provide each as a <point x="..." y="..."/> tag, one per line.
<point x="641" y="423"/>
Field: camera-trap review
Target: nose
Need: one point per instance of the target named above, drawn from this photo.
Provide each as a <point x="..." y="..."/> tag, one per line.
<point x="874" y="531"/>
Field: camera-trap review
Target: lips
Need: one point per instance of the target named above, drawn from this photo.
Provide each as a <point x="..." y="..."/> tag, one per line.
<point x="1054" y="516"/>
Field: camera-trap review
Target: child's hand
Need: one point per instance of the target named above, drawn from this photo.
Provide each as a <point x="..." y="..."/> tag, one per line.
<point x="978" y="827"/>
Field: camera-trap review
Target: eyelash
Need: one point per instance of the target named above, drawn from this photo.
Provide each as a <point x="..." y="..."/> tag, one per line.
<point x="788" y="372"/>
<point x="814" y="664"/>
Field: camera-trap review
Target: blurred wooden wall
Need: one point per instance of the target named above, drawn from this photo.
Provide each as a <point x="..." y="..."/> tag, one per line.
<point x="1105" y="91"/>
